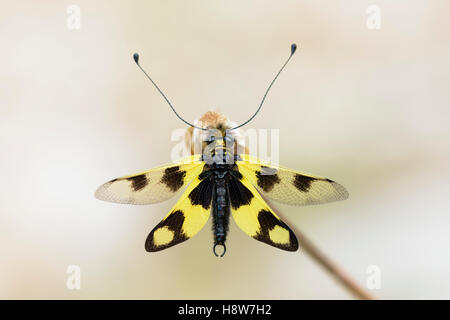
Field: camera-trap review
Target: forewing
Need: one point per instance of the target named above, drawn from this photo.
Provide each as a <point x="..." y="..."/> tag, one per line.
<point x="185" y="219"/>
<point x="151" y="186"/>
<point x="253" y="216"/>
<point x="289" y="186"/>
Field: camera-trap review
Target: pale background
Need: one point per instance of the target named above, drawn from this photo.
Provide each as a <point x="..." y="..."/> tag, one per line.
<point x="367" y="108"/>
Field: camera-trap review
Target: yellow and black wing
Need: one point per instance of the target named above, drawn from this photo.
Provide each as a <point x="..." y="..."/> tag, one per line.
<point x="186" y="218"/>
<point x="151" y="186"/>
<point x="252" y="214"/>
<point x="289" y="186"/>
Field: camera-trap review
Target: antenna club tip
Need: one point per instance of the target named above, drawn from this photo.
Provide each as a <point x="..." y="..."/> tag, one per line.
<point x="136" y="58"/>
<point x="293" y="48"/>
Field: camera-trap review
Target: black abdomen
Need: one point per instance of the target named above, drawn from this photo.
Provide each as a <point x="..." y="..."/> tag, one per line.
<point x="221" y="210"/>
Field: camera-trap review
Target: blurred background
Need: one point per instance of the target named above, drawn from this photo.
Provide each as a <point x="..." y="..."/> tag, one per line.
<point x="362" y="105"/>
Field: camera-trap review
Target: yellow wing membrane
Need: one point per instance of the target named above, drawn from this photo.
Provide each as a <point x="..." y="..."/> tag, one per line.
<point x="185" y="219"/>
<point x="252" y="214"/>
<point x="151" y="186"/>
<point x="289" y="186"/>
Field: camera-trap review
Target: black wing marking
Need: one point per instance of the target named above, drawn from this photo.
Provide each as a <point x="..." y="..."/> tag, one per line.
<point x="185" y="219"/>
<point x="289" y="186"/>
<point x="253" y="215"/>
<point x="151" y="186"/>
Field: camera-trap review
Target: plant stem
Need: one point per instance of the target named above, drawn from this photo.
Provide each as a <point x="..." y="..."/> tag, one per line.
<point x="344" y="278"/>
<point x="330" y="266"/>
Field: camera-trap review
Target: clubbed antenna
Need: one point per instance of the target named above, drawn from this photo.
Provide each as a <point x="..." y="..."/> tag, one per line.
<point x="293" y="48"/>
<point x="136" y="59"/>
